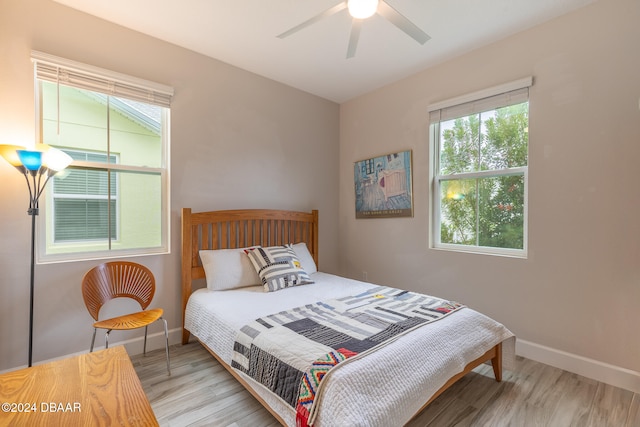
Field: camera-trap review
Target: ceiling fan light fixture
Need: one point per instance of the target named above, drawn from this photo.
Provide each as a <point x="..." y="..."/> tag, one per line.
<point x="362" y="9"/>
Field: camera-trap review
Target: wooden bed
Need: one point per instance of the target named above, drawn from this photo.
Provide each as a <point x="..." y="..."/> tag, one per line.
<point x="393" y="182"/>
<point x="241" y="228"/>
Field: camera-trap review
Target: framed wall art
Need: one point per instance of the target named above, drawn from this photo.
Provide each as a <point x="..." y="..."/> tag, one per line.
<point x="383" y="186"/>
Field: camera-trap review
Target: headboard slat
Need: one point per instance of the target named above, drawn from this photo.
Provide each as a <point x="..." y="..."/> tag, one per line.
<point x="204" y="236"/>
<point x="287" y="231"/>
<point x="233" y="235"/>
<point x="249" y="236"/>
<point x="194" y="246"/>
<point x="275" y="236"/>
<point x="264" y="232"/>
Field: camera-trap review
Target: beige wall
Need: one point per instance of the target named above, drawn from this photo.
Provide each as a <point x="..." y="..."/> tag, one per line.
<point x="238" y="141"/>
<point x="579" y="289"/>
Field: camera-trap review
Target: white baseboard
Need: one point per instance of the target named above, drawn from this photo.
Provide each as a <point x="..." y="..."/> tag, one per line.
<point x="133" y="346"/>
<point x="594" y="369"/>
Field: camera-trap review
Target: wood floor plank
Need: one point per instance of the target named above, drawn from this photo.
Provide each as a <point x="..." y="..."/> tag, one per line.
<point x="633" y="419"/>
<point x="500" y="409"/>
<point x="611" y="406"/>
<point x="458" y="414"/>
<point x="200" y="392"/>
<point x="575" y="400"/>
<point x="539" y="402"/>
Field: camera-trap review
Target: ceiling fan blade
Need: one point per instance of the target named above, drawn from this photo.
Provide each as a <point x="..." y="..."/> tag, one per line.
<point x="331" y="11"/>
<point x="356" y="26"/>
<point x="400" y="21"/>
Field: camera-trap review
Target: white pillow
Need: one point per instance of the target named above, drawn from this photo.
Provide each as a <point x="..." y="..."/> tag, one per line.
<point x="302" y="251"/>
<point x="228" y="269"/>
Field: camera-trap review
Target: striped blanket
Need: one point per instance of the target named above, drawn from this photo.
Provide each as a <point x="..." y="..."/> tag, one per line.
<point x="291" y="352"/>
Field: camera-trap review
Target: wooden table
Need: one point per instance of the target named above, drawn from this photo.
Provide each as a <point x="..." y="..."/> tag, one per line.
<point x="94" y="389"/>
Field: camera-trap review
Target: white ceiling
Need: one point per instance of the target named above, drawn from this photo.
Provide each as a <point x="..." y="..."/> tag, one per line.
<point x="243" y="33"/>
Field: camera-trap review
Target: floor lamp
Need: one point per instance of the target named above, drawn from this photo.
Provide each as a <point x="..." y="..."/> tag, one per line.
<point x="37" y="166"/>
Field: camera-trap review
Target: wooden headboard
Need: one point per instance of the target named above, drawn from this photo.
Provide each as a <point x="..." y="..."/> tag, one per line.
<point x="232" y="229"/>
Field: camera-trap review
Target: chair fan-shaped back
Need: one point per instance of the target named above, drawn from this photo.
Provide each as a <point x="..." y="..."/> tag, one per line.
<point x="117" y="279"/>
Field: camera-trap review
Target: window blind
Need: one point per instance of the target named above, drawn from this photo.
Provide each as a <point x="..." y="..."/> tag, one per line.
<point x="490" y="99"/>
<point x="54" y="69"/>
<point x="84" y="219"/>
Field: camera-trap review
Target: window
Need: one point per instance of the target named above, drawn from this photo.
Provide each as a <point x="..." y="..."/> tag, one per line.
<point x="82" y="200"/>
<point x="113" y="198"/>
<point x="479" y="179"/>
<point x="368" y="167"/>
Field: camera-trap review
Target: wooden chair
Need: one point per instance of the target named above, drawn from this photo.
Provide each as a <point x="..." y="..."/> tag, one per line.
<point x="122" y="279"/>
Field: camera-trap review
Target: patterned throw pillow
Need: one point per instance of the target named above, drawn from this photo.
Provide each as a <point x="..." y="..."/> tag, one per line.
<point x="278" y="267"/>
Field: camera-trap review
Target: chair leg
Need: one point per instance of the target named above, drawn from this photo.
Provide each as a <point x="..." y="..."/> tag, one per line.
<point x="106" y="339"/>
<point x="93" y="340"/>
<point x="166" y="345"/>
<point x="144" y="349"/>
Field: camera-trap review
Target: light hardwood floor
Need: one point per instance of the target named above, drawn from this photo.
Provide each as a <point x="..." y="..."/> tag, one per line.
<point x="200" y="392"/>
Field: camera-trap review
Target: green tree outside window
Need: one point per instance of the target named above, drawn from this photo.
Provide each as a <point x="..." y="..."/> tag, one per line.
<point x="482" y="166"/>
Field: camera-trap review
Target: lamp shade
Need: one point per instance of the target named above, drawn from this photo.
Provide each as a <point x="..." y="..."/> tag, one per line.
<point x="56" y="160"/>
<point x="10" y="154"/>
<point x="362" y="9"/>
<point x="53" y="159"/>
<point x="32" y="160"/>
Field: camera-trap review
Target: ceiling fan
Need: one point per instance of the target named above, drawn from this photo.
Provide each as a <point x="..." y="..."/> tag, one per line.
<point x="361" y="10"/>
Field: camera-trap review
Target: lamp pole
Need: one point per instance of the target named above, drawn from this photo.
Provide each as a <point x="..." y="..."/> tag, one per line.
<point x="33" y="213"/>
<point x="34" y="195"/>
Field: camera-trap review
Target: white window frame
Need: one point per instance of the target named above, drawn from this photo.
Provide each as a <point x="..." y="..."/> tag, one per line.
<point x="463" y="103"/>
<point x="71" y="73"/>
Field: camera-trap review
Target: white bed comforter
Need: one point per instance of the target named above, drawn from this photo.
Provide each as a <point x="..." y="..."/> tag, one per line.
<point x="429" y="355"/>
